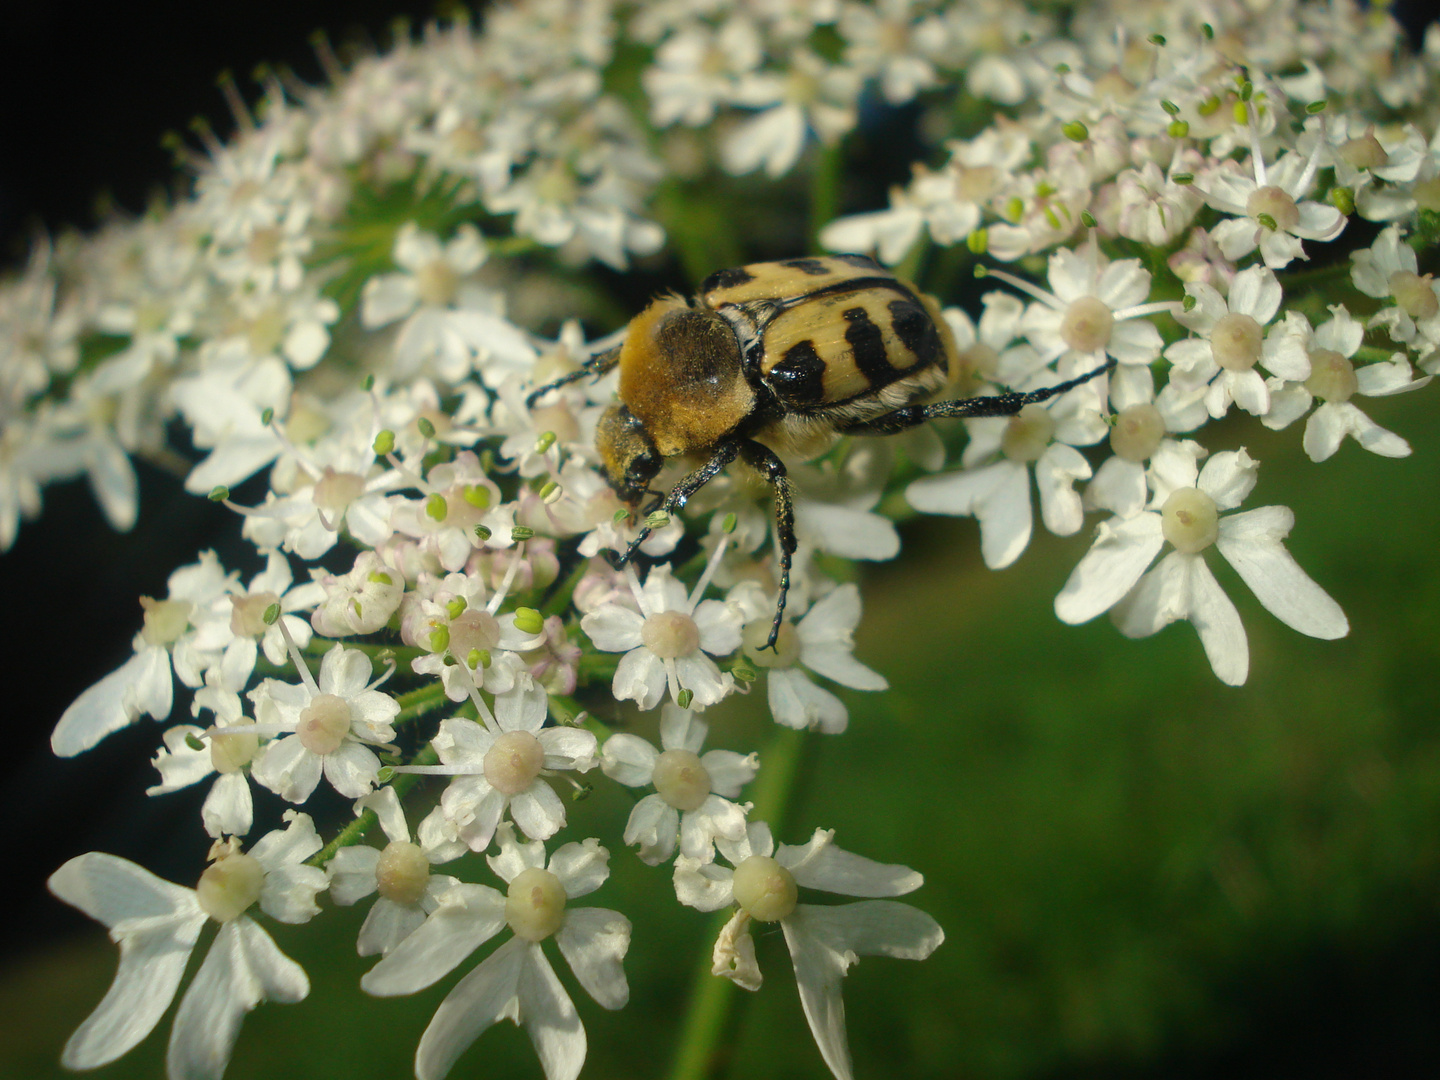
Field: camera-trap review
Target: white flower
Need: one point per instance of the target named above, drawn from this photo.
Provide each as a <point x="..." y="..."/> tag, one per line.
<point x="451" y="325"/>
<point x="1270" y="210"/>
<point x="693" y="792"/>
<point x="1232" y="341"/>
<point x="810" y="94"/>
<point x="273" y="585"/>
<point x="1334" y="379"/>
<point x="334" y="722"/>
<point x="516" y="981"/>
<point x="400" y="872"/>
<point x="501" y="764"/>
<point x="1182" y="586"/>
<point x="823" y="941"/>
<point x="822" y="641"/>
<point x="998" y="493"/>
<point x="189" y="629"/>
<point x="157" y="924"/>
<point x="187" y="758"/>
<point x="1388" y="270"/>
<point x="667" y="641"/>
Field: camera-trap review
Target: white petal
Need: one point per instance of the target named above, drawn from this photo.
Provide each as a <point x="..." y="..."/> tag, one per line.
<point x="1122" y="550"/>
<point x="594" y="942"/>
<point x="582" y="868"/>
<point x="243" y="968"/>
<point x="639" y="677"/>
<point x="103" y="708"/>
<point x="538" y="811"/>
<point x="1055" y="475"/>
<point x="628" y="759"/>
<point x="289" y="770"/>
<point x="155" y="924"/>
<point x="387" y="925"/>
<point x="515" y="983"/>
<point x="352" y="873"/>
<point x="652" y="827"/>
<point x="1251" y="543"/>
<point x="798" y="703"/>
<point x="825" y="941"/>
<point x="228" y="809"/>
<point x="468" y="916"/>
<point x="613" y="628"/>
<point x="819" y="864"/>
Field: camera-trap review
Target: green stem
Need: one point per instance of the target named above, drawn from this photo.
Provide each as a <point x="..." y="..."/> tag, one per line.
<point x="712" y="998"/>
<point x="824" y="191"/>
<point x="357" y="829"/>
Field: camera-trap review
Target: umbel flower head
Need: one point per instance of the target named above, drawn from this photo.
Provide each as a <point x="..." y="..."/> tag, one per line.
<point x="493" y="513"/>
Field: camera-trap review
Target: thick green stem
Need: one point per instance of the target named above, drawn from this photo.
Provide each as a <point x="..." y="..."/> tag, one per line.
<point x="712" y="997"/>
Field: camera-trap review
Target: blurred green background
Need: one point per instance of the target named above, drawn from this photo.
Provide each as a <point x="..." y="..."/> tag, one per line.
<point x="1140" y="871"/>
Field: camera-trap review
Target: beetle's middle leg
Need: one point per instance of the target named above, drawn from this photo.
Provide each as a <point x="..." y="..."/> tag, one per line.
<point x="681" y="492"/>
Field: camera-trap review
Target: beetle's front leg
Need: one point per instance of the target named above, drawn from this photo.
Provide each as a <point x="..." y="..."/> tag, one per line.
<point x="680" y="494"/>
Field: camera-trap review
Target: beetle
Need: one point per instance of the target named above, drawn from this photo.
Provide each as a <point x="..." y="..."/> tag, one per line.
<point x="776" y="356"/>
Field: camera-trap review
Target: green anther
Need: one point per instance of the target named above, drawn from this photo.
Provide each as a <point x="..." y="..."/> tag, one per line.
<point x="1062" y="69"/>
<point x="549" y="491"/>
<point x="193" y="741"/>
<point x="477" y="495"/>
<point x="426" y="428"/>
<point x="1188" y="304"/>
<point x="1178" y="129"/>
<point x="1087" y="219"/>
<point x="1157" y="39"/>
<point x="658" y="520"/>
<point x="380" y="577"/>
<point x="1045" y="189"/>
<point x="545" y="441"/>
<point x="440" y="639"/>
<point x="744" y="671"/>
<point x="582" y="791"/>
<point x="1207" y="31"/>
<point x="685" y="697"/>
<point x="1266" y="222"/>
<point x="978" y="241"/>
<point x="219" y="493"/>
<point x="1052" y="217"/>
<point x="1209" y="107"/>
<point x="1075" y="131"/>
<point x="272" y="613"/>
<point x="384" y="443"/>
<point x="1170" y="107"/>
<point x="476" y="659"/>
<point x="1014" y="208"/>
<point x="482" y="533"/>
<point x="982" y="271"/>
<point x="267" y="416"/>
<point x="1239" y="111"/>
<point x="1183" y="178"/>
<point x="367" y="383"/>
<point x="528" y="620"/>
<point x="1247" y="89"/>
<point x="487" y="461"/>
<point x="1343" y="199"/>
<point x="1317" y="106"/>
<point x="456" y="607"/>
<point x="727" y="525"/>
<point x="436" y="508"/>
<point x="521" y="532"/>
<point x="619" y="516"/>
<point x="384" y="775"/>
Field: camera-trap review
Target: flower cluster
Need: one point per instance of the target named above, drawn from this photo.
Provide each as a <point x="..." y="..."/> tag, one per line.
<point x="433" y="537"/>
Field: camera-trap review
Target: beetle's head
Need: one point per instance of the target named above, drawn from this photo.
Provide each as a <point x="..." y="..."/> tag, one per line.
<point x="627" y="452"/>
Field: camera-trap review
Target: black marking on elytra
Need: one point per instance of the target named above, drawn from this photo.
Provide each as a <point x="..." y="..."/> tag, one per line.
<point x="726" y="279"/>
<point x="914" y="327"/>
<point x="864" y="262"/>
<point x="799" y="377"/>
<point x="868" y="345"/>
<point x="814" y="267"/>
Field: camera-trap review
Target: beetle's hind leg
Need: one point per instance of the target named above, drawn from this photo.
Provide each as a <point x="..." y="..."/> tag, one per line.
<point x="1007" y="404"/>
<point x="598" y="365"/>
<point x="680" y="494"/>
<point x="763" y="460"/>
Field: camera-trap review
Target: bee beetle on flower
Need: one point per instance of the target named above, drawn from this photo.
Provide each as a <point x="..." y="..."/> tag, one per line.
<point x="776" y="358"/>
